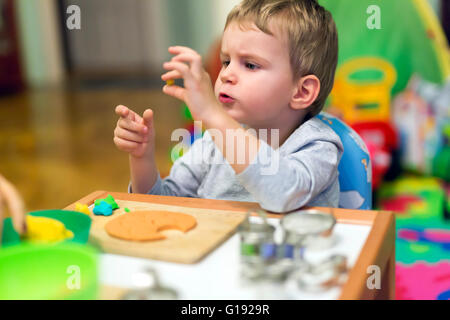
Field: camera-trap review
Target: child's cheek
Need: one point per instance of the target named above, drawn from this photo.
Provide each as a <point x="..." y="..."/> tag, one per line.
<point x="257" y="98"/>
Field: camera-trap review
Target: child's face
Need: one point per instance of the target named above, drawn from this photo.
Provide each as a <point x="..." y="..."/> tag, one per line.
<point x="255" y="83"/>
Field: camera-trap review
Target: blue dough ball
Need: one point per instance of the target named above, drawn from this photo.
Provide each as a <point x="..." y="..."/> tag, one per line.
<point x="103" y="209"/>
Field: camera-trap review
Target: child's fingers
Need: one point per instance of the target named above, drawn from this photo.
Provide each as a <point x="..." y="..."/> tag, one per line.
<point x="129" y="135"/>
<point x="133" y="126"/>
<point x="185" y="57"/>
<point x="193" y="58"/>
<point x="171" y="75"/>
<point x="181" y="67"/>
<point x="181" y="49"/>
<point x="174" y="91"/>
<point x="127" y="113"/>
<point x="122" y="111"/>
<point x="125" y="145"/>
<point x="189" y="55"/>
<point x="148" y="118"/>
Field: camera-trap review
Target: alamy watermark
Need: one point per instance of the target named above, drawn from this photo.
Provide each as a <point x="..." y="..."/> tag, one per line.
<point x="73" y="21"/>
<point x="374" y="20"/>
<point x="374" y="280"/>
<point x="74" y="280"/>
<point x="237" y="149"/>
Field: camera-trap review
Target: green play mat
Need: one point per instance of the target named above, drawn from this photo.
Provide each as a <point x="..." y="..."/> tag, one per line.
<point x="61" y="271"/>
<point x="77" y="222"/>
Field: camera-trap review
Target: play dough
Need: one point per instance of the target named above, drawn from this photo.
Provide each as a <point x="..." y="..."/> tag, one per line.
<point x="109" y="200"/>
<point x="103" y="209"/>
<point x="46" y="230"/>
<point x="83" y="208"/>
<point x="147" y="225"/>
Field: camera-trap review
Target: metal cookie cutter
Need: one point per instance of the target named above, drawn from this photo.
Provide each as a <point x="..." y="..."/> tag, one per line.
<point x="254" y="234"/>
<point x="257" y="242"/>
<point x="330" y="272"/>
<point x="148" y="287"/>
<point x="308" y="229"/>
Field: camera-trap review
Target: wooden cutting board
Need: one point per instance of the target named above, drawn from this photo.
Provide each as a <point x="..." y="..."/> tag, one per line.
<point x="213" y="228"/>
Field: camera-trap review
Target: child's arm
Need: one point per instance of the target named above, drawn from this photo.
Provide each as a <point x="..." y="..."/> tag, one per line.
<point x="187" y="172"/>
<point x="307" y="174"/>
<point x="297" y="180"/>
<point x="199" y="96"/>
<point x="136" y="135"/>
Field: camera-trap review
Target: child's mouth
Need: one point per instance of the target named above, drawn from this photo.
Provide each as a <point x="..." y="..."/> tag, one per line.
<point x="224" y="98"/>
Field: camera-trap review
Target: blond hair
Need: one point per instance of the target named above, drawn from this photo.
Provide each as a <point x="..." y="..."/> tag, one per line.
<point x="311" y="35"/>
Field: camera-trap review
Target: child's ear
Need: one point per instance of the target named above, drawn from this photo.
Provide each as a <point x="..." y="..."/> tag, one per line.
<point x="305" y="92"/>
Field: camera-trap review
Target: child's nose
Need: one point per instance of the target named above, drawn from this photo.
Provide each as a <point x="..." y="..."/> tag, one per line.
<point x="228" y="75"/>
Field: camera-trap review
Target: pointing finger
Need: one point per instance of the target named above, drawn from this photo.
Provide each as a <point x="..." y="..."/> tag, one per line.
<point x="148" y="117"/>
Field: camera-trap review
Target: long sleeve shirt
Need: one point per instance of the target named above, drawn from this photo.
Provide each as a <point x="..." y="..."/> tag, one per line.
<point x="302" y="171"/>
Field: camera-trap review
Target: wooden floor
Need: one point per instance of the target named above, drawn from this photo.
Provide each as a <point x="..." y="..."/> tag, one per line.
<point x="57" y="145"/>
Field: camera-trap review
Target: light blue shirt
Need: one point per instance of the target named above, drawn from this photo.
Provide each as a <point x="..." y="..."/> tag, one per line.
<point x="303" y="171"/>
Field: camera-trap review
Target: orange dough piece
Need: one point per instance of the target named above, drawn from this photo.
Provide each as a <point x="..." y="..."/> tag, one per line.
<point x="146" y="225"/>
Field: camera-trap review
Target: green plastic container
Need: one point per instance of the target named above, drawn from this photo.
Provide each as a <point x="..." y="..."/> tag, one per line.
<point x="61" y="271"/>
<point x="77" y="222"/>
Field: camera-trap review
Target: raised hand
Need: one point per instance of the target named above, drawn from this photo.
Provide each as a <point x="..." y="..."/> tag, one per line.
<point x="198" y="92"/>
<point x="135" y="134"/>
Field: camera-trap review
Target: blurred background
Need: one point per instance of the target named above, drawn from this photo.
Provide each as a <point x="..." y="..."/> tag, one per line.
<point x="59" y="86"/>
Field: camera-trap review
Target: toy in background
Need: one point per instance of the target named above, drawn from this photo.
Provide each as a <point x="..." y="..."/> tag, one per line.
<point x="423" y="236"/>
<point x="361" y="96"/>
<point x="420" y="48"/>
<point x="422" y="116"/>
<point x="441" y="163"/>
<point x="417" y="45"/>
<point x="364" y="99"/>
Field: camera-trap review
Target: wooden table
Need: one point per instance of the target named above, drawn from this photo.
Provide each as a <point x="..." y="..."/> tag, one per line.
<point x="378" y="250"/>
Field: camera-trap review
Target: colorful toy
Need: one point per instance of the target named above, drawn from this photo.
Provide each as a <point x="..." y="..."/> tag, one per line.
<point x="422" y="47"/>
<point x="381" y="140"/>
<point x="42" y="229"/>
<point x="423" y="236"/>
<point x="411" y="118"/>
<point x="103" y="208"/>
<point x="439" y="237"/>
<point x="170" y="82"/>
<point x="364" y="100"/>
<point x="77" y="223"/>
<point x="441" y="164"/>
<point x="109" y="200"/>
<point x="83" y="208"/>
<point x="422" y="113"/>
<point x="44" y="272"/>
<point x="423" y="281"/>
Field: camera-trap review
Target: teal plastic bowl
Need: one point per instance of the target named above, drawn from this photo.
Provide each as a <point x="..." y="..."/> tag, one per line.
<point x="77" y="222"/>
<point x="58" y="271"/>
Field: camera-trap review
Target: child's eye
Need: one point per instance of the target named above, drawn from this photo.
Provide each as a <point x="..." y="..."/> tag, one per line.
<point x="225" y="63"/>
<point x="251" y="66"/>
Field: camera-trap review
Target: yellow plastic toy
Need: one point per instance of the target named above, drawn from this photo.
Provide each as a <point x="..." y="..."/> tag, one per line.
<point x="43" y="229"/>
<point x="361" y="101"/>
<point x="83" y="208"/>
<point x="170" y="82"/>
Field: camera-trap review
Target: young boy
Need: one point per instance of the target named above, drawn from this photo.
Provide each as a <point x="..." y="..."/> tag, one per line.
<point x="279" y="58"/>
